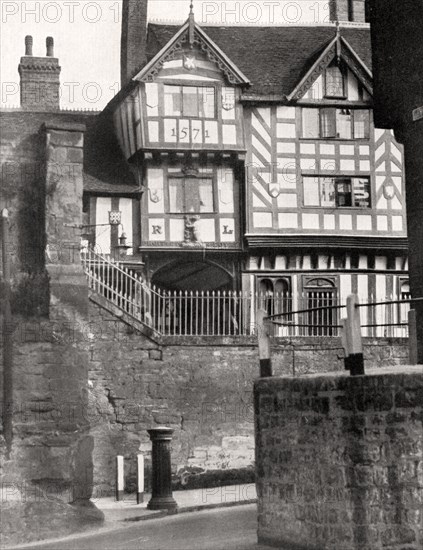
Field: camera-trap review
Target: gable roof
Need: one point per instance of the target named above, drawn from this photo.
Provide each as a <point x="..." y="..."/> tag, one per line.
<point x="274" y="59"/>
<point x="189" y="30"/>
<point x="337" y="48"/>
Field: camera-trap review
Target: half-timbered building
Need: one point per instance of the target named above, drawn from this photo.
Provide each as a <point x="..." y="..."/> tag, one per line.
<point x="257" y="166"/>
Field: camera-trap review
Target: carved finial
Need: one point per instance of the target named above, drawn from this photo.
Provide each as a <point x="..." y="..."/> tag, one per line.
<point x="338" y="42"/>
<point x="191" y="24"/>
<point x="28" y="45"/>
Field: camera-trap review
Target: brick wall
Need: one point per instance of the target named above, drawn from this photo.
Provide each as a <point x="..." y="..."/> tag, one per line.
<point x="339" y="461"/>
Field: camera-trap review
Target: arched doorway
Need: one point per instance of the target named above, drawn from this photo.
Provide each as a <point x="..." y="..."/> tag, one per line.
<point x="197" y="299"/>
<point x="192" y="276"/>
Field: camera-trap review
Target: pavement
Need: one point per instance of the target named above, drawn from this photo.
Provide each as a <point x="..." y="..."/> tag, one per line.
<point x="188" y="501"/>
<point x="124" y="515"/>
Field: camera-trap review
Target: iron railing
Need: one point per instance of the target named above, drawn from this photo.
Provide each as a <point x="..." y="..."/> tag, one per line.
<point x="314" y="313"/>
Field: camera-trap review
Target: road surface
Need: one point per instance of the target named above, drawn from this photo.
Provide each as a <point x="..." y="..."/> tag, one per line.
<point x="232" y="528"/>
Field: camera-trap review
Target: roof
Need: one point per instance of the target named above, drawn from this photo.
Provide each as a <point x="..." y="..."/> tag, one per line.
<point x="105" y="168"/>
<point x="273" y="58"/>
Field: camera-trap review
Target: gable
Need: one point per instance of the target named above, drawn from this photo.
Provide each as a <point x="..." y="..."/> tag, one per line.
<point x="274" y="59"/>
<point x="339" y="52"/>
<point x="191" y="54"/>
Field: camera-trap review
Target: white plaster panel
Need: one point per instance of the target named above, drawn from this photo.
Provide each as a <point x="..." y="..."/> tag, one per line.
<point x="347" y="165"/>
<point x="153" y="131"/>
<point x="329" y="221"/>
<point x="347" y="150"/>
<point x="262" y="219"/>
<point x="287" y="147"/>
<point x="327" y="149"/>
<point x="207" y="230"/>
<point x="102" y="232"/>
<point x="364" y="223"/>
<point x="229" y="133"/>
<point x="285" y="112"/>
<point x="286" y="220"/>
<point x="382" y="223"/>
<point x="397" y="223"/>
<point x="287" y="200"/>
<point x="285" y="130"/>
<point x="310" y="221"/>
<point x="308" y="148"/>
<point x="345" y="221"/>
<point x="125" y="206"/>
<point x="176" y="228"/>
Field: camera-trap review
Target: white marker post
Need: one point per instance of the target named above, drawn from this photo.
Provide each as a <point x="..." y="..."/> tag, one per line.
<point x="120" y="478"/>
<point x="264" y="344"/>
<point x="140" y="473"/>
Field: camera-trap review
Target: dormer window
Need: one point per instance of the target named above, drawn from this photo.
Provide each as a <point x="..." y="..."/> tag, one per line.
<point x="190" y="101"/>
<point x="335" y="82"/>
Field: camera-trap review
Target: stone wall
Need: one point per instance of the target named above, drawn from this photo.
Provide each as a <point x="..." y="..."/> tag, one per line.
<point x="50" y="460"/>
<point x="339" y="461"/>
<point x="200" y="387"/>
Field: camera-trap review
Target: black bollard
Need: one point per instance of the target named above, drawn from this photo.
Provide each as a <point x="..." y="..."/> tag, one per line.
<point x="161" y="498"/>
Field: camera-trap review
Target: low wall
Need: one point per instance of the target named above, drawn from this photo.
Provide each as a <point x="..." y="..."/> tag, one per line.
<point x="339" y="461"/>
<point x="201" y="387"/>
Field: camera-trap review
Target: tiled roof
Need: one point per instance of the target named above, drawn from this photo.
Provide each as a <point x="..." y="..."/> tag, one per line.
<point x="105" y="168"/>
<point x="272" y="58"/>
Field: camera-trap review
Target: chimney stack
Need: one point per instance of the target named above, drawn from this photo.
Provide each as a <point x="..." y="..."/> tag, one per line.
<point x="133" y="38"/>
<point x="40" y="79"/>
<point x="28" y="45"/>
<point x="50" y="46"/>
<point x="347" y="10"/>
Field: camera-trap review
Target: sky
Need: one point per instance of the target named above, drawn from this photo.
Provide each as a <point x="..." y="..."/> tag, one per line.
<point x="87" y="37"/>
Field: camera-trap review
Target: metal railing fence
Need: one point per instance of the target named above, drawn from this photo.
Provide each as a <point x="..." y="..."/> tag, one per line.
<point x="232" y="313"/>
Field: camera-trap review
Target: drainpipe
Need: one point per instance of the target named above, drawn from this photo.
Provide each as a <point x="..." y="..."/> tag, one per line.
<point x="7" y="337"/>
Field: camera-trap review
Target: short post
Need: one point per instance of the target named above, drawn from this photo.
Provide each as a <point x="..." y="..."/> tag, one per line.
<point x="264" y="344"/>
<point x="351" y="338"/>
<point x="161" y="498"/>
<point x="120" y="478"/>
<point x="140" y="475"/>
<point x="412" y="337"/>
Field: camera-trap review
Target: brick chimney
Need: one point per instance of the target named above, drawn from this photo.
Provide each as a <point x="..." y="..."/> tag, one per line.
<point x="347" y="10"/>
<point x="40" y="79"/>
<point x="133" y="39"/>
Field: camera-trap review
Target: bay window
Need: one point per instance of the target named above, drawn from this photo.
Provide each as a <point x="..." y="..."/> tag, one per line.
<point x="190" y="101"/>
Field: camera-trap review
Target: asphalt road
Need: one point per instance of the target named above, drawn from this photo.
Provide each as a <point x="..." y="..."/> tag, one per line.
<point x="232" y="528"/>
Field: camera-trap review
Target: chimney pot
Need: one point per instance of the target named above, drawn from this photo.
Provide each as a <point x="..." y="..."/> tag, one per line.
<point x="28" y="45"/>
<point x="50" y="46"/>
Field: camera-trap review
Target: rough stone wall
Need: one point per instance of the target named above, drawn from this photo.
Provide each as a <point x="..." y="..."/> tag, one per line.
<point x="23" y="175"/>
<point x="339" y="461"/>
<point x="50" y="462"/>
<point x="202" y="388"/>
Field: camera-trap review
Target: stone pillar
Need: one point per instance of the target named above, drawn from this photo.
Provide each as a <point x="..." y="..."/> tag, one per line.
<point x="64" y="190"/>
<point x="161" y="498"/>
